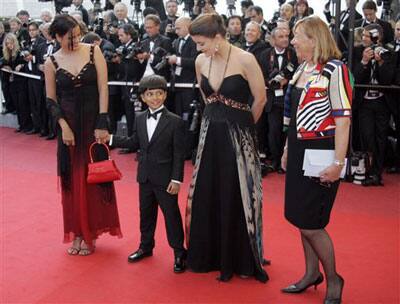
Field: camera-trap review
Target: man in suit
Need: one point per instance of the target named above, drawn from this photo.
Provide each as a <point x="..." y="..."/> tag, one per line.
<point x="344" y="23"/>
<point x="370" y="9"/>
<point x="278" y="65"/>
<point x="256" y="14"/>
<point x="79" y="7"/>
<point x="121" y="13"/>
<point x="234" y="31"/>
<point x="183" y="63"/>
<point x="35" y="87"/>
<point x="158" y="134"/>
<point x="254" y="44"/>
<point x="167" y="27"/>
<point x="155" y="47"/>
<point x="129" y="70"/>
<point x="375" y="67"/>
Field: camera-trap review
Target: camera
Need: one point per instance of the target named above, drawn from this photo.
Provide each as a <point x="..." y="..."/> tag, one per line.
<point x="278" y="76"/>
<point x="98" y="26"/>
<point x="136" y="5"/>
<point x="129" y="52"/>
<point x="374" y="35"/>
<point x="160" y="55"/>
<point x="109" y="55"/>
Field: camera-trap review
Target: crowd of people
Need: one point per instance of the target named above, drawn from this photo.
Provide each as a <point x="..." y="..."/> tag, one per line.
<point x="267" y="92"/>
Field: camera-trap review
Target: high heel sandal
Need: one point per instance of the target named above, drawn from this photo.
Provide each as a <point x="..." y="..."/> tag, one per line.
<point x="85" y="250"/>
<point x="76" y="246"/>
<point x="336" y="300"/>
<point x="294" y="289"/>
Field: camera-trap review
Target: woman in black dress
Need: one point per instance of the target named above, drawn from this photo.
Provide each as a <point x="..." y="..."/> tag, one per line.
<point x="77" y="96"/>
<point x="224" y="216"/>
<point x="317" y="111"/>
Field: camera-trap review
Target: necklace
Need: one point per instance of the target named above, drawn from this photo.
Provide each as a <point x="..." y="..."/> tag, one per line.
<point x="308" y="69"/>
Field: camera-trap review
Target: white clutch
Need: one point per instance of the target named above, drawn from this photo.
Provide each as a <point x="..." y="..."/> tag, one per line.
<point x="315" y="161"/>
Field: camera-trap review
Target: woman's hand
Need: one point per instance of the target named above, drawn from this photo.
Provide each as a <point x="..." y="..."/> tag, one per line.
<point x="102" y="136"/>
<point x="330" y="174"/>
<point x="68" y="137"/>
<point x="284" y="159"/>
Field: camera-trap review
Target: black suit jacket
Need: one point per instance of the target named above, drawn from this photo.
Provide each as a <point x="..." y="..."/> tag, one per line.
<point x="270" y="67"/>
<point x="388" y="33"/>
<point x="162" y="158"/>
<point x="85" y="15"/>
<point x="188" y="56"/>
<point x="257" y="48"/>
<point x="159" y="41"/>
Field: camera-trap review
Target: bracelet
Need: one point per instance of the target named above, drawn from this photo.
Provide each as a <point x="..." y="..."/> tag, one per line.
<point x="338" y="163"/>
<point x="103" y="121"/>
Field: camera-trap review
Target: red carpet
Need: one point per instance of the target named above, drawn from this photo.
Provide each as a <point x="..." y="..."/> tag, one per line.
<point x="36" y="269"/>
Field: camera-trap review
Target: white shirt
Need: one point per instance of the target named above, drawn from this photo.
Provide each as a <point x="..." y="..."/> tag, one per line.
<point x="152" y="123"/>
<point x="280" y="58"/>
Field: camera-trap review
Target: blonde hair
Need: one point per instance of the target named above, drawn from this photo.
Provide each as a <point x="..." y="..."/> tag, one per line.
<point x="6" y="52"/>
<point x="325" y="46"/>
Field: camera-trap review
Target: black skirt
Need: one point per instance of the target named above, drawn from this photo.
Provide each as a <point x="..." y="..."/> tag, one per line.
<point x="308" y="203"/>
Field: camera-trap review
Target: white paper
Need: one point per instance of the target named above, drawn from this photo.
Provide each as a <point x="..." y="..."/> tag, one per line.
<point x="315" y="161"/>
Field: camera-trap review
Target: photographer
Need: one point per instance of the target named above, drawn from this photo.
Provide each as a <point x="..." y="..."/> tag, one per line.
<point x="23" y="15"/>
<point x="79" y="7"/>
<point x="121" y="13"/>
<point x="203" y="7"/>
<point x="35" y="87"/>
<point x="244" y="7"/>
<point x="278" y="65"/>
<point x="370" y="9"/>
<point x="344" y="23"/>
<point x="155" y="49"/>
<point x="18" y="30"/>
<point x="257" y="15"/>
<point x="129" y="70"/>
<point x="376" y="67"/>
<point x="234" y="31"/>
<point x="182" y="61"/>
<point x="167" y="27"/>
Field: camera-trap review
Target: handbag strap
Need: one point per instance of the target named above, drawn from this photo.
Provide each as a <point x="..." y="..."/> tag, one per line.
<point x="91" y="150"/>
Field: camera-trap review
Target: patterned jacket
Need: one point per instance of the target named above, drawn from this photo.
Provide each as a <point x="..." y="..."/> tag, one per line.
<point x="327" y="94"/>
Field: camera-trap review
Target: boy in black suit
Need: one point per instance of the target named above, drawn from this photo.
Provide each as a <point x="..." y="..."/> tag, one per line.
<point x="159" y="135"/>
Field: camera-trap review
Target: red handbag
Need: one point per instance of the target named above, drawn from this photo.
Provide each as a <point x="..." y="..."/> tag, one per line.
<point x="102" y="171"/>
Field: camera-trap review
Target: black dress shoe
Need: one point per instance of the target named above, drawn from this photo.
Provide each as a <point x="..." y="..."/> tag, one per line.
<point x="31" y="131"/>
<point x="372" y="180"/>
<point x="43" y="134"/>
<point x="18" y="130"/>
<point x="50" y="136"/>
<point x="393" y="170"/>
<point x="138" y="255"/>
<point x="266" y="262"/>
<point x="294" y="289"/>
<point x="125" y="151"/>
<point x="179" y="265"/>
<point x="280" y="171"/>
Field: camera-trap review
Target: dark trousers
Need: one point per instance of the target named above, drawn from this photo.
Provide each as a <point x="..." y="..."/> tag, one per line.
<point x="5" y="87"/>
<point x="276" y="136"/>
<point x="37" y="104"/>
<point x="150" y="197"/>
<point x="374" y="121"/>
<point x="129" y="107"/>
<point x="262" y="131"/>
<point x="181" y="107"/>
<point x="19" y="96"/>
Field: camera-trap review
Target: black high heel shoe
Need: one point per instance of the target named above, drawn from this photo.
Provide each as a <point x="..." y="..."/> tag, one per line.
<point x="336" y="300"/>
<point x="294" y="289"/>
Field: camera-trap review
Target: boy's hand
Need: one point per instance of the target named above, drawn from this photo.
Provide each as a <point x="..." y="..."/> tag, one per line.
<point x="173" y="188"/>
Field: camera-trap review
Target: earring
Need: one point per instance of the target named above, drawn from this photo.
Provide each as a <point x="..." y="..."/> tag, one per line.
<point x="216" y="48"/>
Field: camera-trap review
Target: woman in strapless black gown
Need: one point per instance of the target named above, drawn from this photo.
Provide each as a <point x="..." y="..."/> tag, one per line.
<point x="224" y="216"/>
<point x="78" y="101"/>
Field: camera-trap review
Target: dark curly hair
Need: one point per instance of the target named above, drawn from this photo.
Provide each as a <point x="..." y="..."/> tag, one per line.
<point x="61" y="25"/>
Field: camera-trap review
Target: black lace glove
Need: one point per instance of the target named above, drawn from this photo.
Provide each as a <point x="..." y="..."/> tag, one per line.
<point x="103" y="121"/>
<point x="54" y="109"/>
